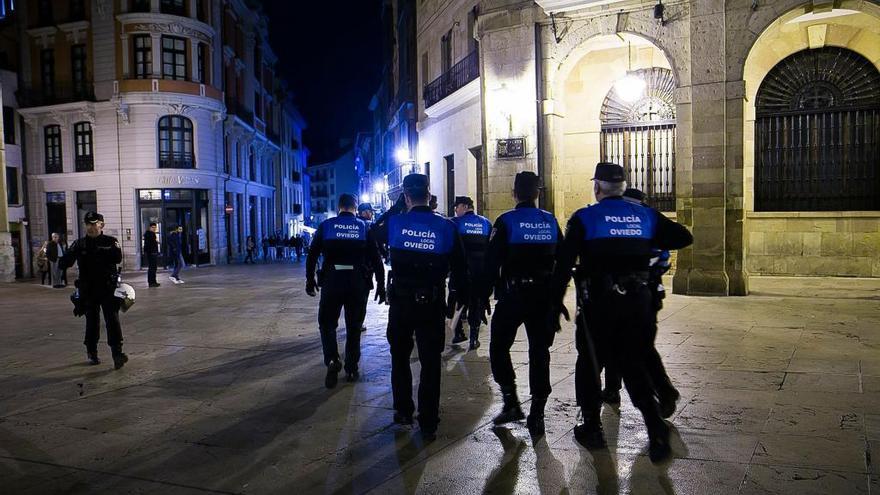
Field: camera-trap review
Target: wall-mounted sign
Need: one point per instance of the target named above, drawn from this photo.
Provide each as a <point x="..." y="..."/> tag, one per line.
<point x="177" y="180"/>
<point x="511" y="148"/>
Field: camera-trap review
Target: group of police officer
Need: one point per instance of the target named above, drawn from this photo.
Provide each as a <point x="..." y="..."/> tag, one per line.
<point x="616" y="249"/>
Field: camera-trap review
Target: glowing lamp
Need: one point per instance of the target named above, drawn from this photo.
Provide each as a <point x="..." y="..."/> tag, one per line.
<point x="630" y="87"/>
<point x="402" y="155"/>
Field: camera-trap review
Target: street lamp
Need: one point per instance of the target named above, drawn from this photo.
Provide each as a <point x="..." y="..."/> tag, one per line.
<point x="630" y="87"/>
<point x="402" y="155"/>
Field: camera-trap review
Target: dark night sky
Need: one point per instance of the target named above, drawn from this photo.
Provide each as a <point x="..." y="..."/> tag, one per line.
<point x="330" y="54"/>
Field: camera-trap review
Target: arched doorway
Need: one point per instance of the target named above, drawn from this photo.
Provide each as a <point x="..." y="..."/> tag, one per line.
<point x="595" y="124"/>
<point x="639" y="135"/>
<point x="810" y="144"/>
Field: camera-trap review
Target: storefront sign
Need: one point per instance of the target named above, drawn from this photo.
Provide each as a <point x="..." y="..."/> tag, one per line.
<point x="178" y="180"/>
<point x="511" y="148"/>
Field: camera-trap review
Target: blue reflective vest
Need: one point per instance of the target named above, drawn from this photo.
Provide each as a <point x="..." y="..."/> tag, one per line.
<point x="344" y="228"/>
<point x="422" y="232"/>
<point x="617" y="219"/>
<point x="473" y="224"/>
<point x="530" y="226"/>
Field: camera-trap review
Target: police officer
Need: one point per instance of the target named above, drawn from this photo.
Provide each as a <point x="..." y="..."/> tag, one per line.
<point x="520" y="261"/>
<point x="425" y="248"/>
<point x="474" y="231"/>
<point x="151" y="249"/>
<point x="351" y="259"/>
<point x="365" y="213"/>
<point x="98" y="256"/>
<point x="613" y="240"/>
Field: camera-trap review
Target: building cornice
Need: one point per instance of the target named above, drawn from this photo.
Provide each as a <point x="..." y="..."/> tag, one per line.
<point x="147" y="22"/>
<point x="46" y="35"/>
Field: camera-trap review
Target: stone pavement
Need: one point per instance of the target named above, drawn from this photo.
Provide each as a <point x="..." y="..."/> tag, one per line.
<point x="224" y="393"/>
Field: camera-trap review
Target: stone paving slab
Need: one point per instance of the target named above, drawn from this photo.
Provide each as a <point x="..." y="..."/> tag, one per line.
<point x="224" y="394"/>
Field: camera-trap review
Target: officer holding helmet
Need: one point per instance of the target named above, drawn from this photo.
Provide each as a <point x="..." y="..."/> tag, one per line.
<point x="424" y="248"/>
<point x="614" y="241"/>
<point x="98" y="256"/>
<point x="474" y="231"/>
<point x="522" y="253"/>
<point x="351" y="259"/>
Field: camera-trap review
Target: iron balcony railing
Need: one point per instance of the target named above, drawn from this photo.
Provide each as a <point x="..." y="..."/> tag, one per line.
<point x="85" y="163"/>
<point x="39" y="95"/>
<point x="454" y="79"/>
<point x="171" y="159"/>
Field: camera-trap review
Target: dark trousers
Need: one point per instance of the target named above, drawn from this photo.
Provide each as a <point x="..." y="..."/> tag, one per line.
<point x="427" y="322"/>
<point x="656" y="371"/>
<point x="473" y="313"/>
<point x="299" y="252"/>
<point x="152" y="264"/>
<point x="250" y="256"/>
<point x="513" y="309"/>
<point x="342" y="291"/>
<point x="177" y="264"/>
<point x="109" y="306"/>
<point x="618" y="334"/>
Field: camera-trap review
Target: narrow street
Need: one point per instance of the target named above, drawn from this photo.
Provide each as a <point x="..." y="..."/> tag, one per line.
<point x="224" y="394"/>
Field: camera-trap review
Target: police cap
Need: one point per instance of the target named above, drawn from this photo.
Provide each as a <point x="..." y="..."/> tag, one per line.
<point x="633" y="193"/>
<point x="526" y="182"/>
<point x="463" y="200"/>
<point x="415" y="183"/>
<point x="93" y="217"/>
<point x="609" y="172"/>
<point x="365" y="207"/>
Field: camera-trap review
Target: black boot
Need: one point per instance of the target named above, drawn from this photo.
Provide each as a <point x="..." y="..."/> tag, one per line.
<point x="93" y="357"/>
<point x="119" y="358"/>
<point x="535" y="421"/>
<point x="332" y="373"/>
<point x="667" y="401"/>
<point x="475" y="338"/>
<point x="659" y="448"/>
<point x="403" y="419"/>
<point x="459" y="337"/>
<point x="589" y="433"/>
<point x="610" y="396"/>
<point x="511" y="411"/>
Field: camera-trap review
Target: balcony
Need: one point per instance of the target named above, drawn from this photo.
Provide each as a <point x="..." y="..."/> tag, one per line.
<point x="454" y="79"/>
<point x="54" y="166"/>
<point x="236" y="108"/>
<point x="176" y="159"/>
<point x="38" y="96"/>
<point x="85" y="163"/>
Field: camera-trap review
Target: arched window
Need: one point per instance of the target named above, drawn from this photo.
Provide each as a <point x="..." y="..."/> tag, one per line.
<point x="817" y="133"/>
<point x="640" y="136"/>
<point x="176" y="142"/>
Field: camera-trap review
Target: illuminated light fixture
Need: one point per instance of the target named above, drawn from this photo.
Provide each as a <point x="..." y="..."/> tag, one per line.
<point x="365" y="198"/>
<point x="402" y="155"/>
<point x="630" y="87"/>
<point x="379" y="187"/>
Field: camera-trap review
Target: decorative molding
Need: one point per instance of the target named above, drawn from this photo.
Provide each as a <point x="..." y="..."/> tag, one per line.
<point x="178" y="108"/>
<point x="124" y="112"/>
<point x="239" y="65"/>
<point x="155" y="23"/>
<point x="45" y="35"/>
<point x="216" y="118"/>
<point x="74" y="31"/>
<point x="228" y="54"/>
<point x="104" y="9"/>
<point x="173" y="29"/>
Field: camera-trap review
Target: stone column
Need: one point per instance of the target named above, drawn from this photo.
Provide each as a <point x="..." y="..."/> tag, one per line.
<point x="710" y="190"/>
<point x="7" y="252"/>
<point x="194" y="60"/>
<point x="157" y="55"/>
<point x="126" y="66"/>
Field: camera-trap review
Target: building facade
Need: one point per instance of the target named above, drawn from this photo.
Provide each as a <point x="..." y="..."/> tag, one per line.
<point x="163" y="111"/>
<point x="753" y="123"/>
<point x="328" y="181"/>
<point x="290" y="197"/>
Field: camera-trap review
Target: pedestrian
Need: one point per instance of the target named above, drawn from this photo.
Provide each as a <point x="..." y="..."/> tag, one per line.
<point x="265" y="246"/>
<point x="666" y="393"/>
<point x="351" y="259"/>
<point x="250" y="246"/>
<point x="433" y="203"/>
<point x="474" y="231"/>
<point x="298" y="247"/>
<point x="520" y="261"/>
<point x="612" y="242"/>
<point x="151" y="250"/>
<point x="424" y="248"/>
<point x="175" y="252"/>
<point x="43" y="264"/>
<point x="279" y="247"/>
<point x="55" y="250"/>
<point x="98" y="257"/>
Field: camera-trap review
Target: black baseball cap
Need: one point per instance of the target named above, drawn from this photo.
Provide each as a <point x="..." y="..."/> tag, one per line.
<point x="635" y="194"/>
<point x="527" y="182"/>
<point x="93" y="217"/>
<point x="415" y="182"/>
<point x="365" y="207"/>
<point x="463" y="200"/>
<point x="609" y="172"/>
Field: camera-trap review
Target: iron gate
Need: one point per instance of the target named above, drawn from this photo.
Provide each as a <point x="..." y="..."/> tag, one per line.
<point x="647" y="155"/>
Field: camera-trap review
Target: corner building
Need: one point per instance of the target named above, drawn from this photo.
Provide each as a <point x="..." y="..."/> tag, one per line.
<point x="162" y="111"/>
<point x="756" y="124"/>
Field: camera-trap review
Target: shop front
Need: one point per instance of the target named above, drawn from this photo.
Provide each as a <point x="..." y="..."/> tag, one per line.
<point x="169" y="208"/>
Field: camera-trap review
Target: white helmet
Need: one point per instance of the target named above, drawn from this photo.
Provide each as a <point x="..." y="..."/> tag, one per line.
<point x="126" y="293"/>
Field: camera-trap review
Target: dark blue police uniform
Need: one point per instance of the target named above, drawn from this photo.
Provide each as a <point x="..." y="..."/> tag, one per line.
<point x="351" y="260"/>
<point x="520" y="262"/>
<point x="474" y="231"/>
<point x="614" y="241"/>
<point x="424" y="249"/>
